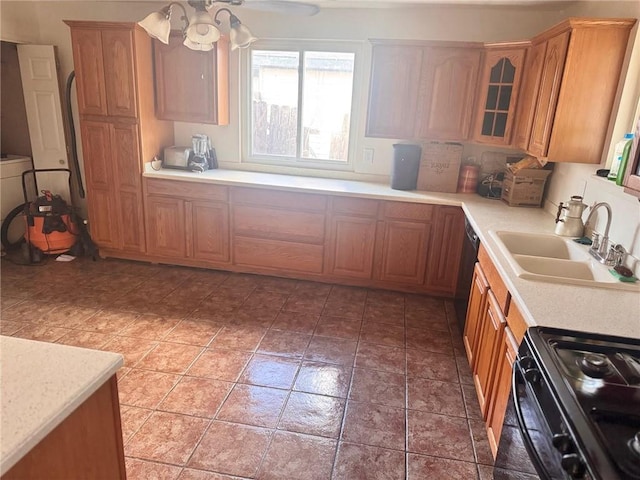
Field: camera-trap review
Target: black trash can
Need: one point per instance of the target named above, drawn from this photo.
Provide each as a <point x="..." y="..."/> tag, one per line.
<point x="406" y="162"/>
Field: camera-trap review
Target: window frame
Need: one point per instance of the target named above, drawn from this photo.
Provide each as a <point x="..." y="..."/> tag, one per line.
<point x="301" y="46"/>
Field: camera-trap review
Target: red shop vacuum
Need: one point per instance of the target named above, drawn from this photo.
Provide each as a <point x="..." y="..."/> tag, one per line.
<point x="49" y="221"/>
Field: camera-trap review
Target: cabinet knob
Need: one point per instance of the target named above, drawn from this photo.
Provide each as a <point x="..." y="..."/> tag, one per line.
<point x="572" y="464"/>
<point x="532" y="375"/>
<point x="563" y="442"/>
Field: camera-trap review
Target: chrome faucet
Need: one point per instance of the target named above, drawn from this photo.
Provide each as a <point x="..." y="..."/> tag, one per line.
<point x="600" y="244"/>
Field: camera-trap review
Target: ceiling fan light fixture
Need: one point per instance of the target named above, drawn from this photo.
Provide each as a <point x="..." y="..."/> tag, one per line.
<point x="158" y="24"/>
<point x="202" y="28"/>
<point x="239" y="35"/>
<point x="202" y="47"/>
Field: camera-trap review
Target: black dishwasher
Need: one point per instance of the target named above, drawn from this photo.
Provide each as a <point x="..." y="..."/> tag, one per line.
<point x="467" y="263"/>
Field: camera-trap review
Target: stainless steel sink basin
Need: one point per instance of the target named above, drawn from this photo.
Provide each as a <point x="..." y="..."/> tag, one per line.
<point x="550" y="258"/>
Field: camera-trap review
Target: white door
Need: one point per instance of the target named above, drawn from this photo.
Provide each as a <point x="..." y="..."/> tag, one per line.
<point x="38" y="69"/>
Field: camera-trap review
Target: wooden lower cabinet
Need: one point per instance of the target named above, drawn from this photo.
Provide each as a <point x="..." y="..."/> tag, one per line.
<point x="405" y="248"/>
<point x="446" y="250"/>
<point x="350" y="247"/>
<point x="359" y="241"/>
<point x="475" y="310"/>
<point x="166" y="227"/>
<point x="491" y="331"/>
<point x="210" y="231"/>
<point x="505" y="356"/>
<point x="87" y="444"/>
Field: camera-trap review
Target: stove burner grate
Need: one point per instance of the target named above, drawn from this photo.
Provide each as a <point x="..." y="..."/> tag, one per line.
<point x="595" y="365"/>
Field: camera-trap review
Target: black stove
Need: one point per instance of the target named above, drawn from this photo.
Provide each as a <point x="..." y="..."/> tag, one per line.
<point x="585" y="390"/>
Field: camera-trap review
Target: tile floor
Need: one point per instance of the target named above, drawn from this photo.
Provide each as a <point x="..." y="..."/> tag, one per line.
<point x="243" y="376"/>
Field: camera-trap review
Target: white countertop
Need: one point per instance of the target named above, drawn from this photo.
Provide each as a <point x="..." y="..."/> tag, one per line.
<point x="40" y="385"/>
<point x="599" y="310"/>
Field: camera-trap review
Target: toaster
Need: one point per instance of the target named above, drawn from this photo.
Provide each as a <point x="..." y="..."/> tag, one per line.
<point x="176" y="157"/>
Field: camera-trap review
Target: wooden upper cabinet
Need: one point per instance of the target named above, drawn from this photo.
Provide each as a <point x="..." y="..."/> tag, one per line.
<point x="576" y="90"/>
<point x="528" y="95"/>
<point x="549" y="88"/>
<point x="192" y="86"/>
<point x="89" y="68"/>
<point x="395" y="79"/>
<point x="498" y="93"/>
<point x="119" y="72"/>
<point x="447" y="91"/>
<point x="105" y="73"/>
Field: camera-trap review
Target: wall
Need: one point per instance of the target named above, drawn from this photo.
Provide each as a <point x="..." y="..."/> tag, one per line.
<point x="13" y="116"/>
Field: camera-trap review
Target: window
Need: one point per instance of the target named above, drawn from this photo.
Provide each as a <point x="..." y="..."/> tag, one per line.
<point x="300" y="103"/>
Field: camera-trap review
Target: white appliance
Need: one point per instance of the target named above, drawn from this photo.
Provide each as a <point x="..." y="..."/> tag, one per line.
<point x="11" y="196"/>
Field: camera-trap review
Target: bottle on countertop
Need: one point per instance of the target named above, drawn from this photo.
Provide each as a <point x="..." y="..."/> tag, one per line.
<point x="617" y="155"/>
<point x="624" y="161"/>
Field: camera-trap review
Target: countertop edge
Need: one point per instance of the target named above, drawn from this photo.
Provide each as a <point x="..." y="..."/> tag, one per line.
<point x="11" y="458"/>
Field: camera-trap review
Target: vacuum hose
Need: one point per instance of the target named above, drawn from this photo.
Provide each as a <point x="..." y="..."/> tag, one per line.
<point x="72" y="131"/>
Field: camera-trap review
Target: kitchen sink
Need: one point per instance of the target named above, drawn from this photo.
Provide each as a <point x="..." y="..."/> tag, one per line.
<point x="550" y="258"/>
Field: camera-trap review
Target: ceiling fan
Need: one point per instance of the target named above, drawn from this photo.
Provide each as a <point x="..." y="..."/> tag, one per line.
<point x="201" y="32"/>
<point x="278" y="6"/>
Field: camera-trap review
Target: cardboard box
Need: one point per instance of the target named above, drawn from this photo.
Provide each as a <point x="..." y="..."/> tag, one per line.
<point x="439" y="167"/>
<point x="525" y="188"/>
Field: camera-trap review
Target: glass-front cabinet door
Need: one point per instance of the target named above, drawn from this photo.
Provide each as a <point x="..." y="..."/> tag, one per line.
<point x="499" y="86"/>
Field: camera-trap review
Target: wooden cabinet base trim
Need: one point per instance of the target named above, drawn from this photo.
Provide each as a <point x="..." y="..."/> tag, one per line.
<point x="229" y="267"/>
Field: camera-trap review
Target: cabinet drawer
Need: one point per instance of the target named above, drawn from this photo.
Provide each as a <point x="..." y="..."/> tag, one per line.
<point x="496" y="284"/>
<point x="275" y="198"/>
<point x="278" y="224"/>
<point x="279" y="255"/>
<point x="354" y="206"/>
<point x="516" y="322"/>
<point x="409" y="211"/>
<point x="172" y="188"/>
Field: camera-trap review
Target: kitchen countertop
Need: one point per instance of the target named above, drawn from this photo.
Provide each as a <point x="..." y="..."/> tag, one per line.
<point x="592" y="309"/>
<point x="41" y="384"/>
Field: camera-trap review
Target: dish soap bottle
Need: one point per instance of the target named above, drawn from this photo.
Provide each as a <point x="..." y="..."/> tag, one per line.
<point x="624" y="161"/>
<point x="617" y="156"/>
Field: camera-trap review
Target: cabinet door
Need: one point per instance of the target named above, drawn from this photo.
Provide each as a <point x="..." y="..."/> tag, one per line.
<point x="493" y="324"/>
<point x="447" y="90"/>
<point x="89" y="68"/>
<point x="166" y="232"/>
<point x="405" y="249"/>
<point x="550" y="80"/>
<point x="528" y="95"/>
<point x="499" y="95"/>
<point x="191" y="86"/>
<point x="505" y="357"/>
<point x="475" y="311"/>
<point x="119" y="72"/>
<point x="128" y="184"/>
<point x="351" y="246"/>
<point x="395" y="79"/>
<point x="446" y="250"/>
<point x="210" y="231"/>
<point x="98" y="167"/>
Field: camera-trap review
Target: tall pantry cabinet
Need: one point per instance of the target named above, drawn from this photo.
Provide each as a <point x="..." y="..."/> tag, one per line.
<point x="114" y="82"/>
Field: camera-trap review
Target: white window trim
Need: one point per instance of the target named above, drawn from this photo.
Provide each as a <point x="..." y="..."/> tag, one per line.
<point x="358" y="94"/>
